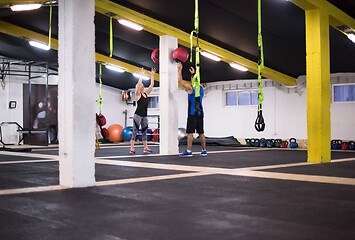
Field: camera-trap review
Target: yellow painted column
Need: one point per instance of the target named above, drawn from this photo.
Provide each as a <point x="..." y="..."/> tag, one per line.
<point x="318" y="86"/>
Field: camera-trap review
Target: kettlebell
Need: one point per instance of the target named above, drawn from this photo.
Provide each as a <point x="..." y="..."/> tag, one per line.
<point x="339" y="142"/>
<point x="252" y="142"/>
<point x="345" y="146"/>
<point x="256" y="142"/>
<point x="333" y="144"/>
<point x="283" y="144"/>
<point x="262" y="142"/>
<point x="351" y="145"/>
<point x="277" y="143"/>
<point x="270" y="143"/>
<point x="293" y="143"/>
<point x="247" y="141"/>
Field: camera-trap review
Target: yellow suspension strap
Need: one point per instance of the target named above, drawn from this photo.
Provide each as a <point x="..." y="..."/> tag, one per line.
<point x="100" y="100"/>
<point x="196" y="78"/>
<point x="99" y="116"/>
<point x="50" y="27"/>
<point x="111" y="38"/>
<point x="259" y="122"/>
<point x="111" y="15"/>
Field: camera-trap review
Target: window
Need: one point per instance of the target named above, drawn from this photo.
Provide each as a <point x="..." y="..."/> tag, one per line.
<point x="231" y="98"/>
<point x="344" y="93"/>
<point x="243" y="98"/>
<point x="240" y="98"/>
<point x="153" y="102"/>
<point x="254" y="97"/>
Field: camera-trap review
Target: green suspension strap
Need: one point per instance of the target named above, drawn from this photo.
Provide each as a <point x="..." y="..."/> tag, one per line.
<point x="50" y="27"/>
<point x="111" y="38"/>
<point x="259" y="122"/>
<point x="196" y="78"/>
<point x="100" y="100"/>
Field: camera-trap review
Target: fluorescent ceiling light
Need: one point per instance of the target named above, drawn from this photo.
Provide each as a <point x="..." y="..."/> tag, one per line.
<point x="137" y="75"/>
<point x="239" y="67"/>
<point x="130" y="24"/>
<point x="351" y="36"/>
<point x="211" y="56"/>
<point x="115" y="68"/>
<point x="39" y="45"/>
<point x="25" y="7"/>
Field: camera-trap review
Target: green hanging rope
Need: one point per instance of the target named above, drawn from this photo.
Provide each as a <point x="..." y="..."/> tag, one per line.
<point x="196" y="78"/>
<point x="50" y="27"/>
<point x="111" y="37"/>
<point x="100" y="100"/>
<point x="259" y="122"/>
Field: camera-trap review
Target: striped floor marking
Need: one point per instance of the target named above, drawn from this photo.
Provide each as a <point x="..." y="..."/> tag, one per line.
<point x="297" y="177"/>
<point x="102" y="183"/>
<point x="194" y="153"/>
<point x="206" y="171"/>
<point x="280" y="166"/>
<point x="197" y="171"/>
<point x="164" y="166"/>
<point x="343" y="160"/>
<point x="35" y="155"/>
<point x="247" y="172"/>
<point x="32" y="190"/>
<point x="56" y="157"/>
<point x="148" y="179"/>
<point x="298" y="164"/>
<point x="103" y="147"/>
<point x="29" y="161"/>
<point x="27" y="154"/>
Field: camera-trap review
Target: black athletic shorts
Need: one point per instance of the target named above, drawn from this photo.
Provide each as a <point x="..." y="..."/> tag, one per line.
<point x="194" y="123"/>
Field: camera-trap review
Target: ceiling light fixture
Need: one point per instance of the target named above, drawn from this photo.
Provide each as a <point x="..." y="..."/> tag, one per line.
<point x="25" y="7"/>
<point x="115" y="68"/>
<point x="351" y="36"/>
<point x="211" y="56"/>
<point x="39" y="45"/>
<point x="137" y="75"/>
<point x="130" y="24"/>
<point x="239" y="67"/>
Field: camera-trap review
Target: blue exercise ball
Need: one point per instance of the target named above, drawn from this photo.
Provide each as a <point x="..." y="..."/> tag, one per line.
<point x="127" y="133"/>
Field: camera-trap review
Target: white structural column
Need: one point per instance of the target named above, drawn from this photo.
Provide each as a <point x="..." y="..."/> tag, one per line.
<point x="76" y="97"/>
<point x="168" y="103"/>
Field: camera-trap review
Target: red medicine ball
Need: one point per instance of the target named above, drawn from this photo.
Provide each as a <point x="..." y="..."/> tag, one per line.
<point x="180" y="54"/>
<point x="155" y="55"/>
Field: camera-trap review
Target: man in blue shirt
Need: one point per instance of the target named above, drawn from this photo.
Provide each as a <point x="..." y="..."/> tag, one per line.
<point x="195" y="114"/>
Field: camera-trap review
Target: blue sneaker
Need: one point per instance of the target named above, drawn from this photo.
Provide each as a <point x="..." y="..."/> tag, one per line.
<point x="203" y="153"/>
<point x="186" y="154"/>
